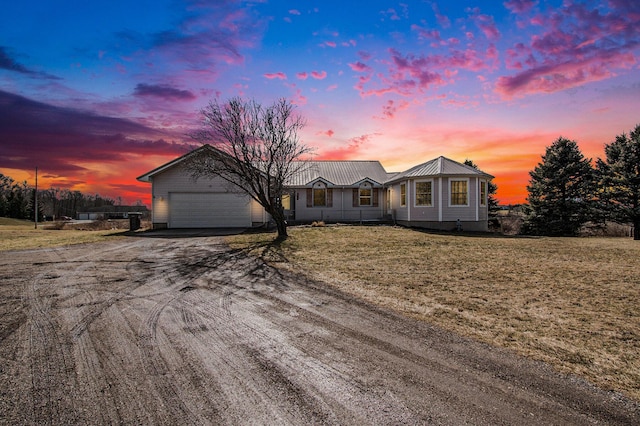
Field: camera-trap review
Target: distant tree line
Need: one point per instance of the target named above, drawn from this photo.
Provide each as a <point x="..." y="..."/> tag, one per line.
<point x="17" y="200"/>
<point x="567" y="190"/>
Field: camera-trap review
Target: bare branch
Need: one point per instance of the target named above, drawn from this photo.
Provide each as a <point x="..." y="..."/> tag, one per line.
<point x="255" y="148"/>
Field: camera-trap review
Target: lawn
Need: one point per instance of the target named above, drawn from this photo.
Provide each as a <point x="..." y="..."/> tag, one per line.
<point x="571" y="302"/>
<point x="19" y="235"/>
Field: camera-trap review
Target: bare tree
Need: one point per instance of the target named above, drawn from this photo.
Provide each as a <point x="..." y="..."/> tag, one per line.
<point x="254" y="148"/>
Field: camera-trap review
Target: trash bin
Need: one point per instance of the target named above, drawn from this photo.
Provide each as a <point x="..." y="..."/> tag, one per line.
<point x="134" y="221"/>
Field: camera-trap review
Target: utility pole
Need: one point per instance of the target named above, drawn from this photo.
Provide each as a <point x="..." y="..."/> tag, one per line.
<point x="35" y="203"/>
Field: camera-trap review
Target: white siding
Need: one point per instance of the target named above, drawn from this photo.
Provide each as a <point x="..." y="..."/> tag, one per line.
<point x="177" y="181"/>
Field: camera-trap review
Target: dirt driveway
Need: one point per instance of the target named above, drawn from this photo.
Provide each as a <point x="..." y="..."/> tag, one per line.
<point x="182" y="330"/>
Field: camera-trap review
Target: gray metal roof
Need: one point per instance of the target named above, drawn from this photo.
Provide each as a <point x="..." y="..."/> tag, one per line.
<point x="351" y="173"/>
<point x="340" y="173"/>
<point x="440" y="166"/>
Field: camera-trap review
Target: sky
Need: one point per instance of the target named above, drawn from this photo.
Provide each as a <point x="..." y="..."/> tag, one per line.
<point x="97" y="93"/>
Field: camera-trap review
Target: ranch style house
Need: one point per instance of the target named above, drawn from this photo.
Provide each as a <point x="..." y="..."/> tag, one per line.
<point x="440" y="194"/>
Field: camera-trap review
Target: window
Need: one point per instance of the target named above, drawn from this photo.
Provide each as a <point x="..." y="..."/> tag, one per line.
<point x="459" y="193"/>
<point x="319" y="197"/>
<point x="483" y="193"/>
<point x="423" y="193"/>
<point x="403" y="194"/>
<point x="365" y="196"/>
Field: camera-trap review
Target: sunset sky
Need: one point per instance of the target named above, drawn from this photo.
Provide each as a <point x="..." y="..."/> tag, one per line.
<point x="96" y="93"/>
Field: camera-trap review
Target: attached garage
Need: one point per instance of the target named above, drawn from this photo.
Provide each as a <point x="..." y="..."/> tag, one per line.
<point x="209" y="210"/>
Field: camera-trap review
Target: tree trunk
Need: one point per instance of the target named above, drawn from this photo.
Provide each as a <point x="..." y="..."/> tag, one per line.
<point x="281" y="224"/>
<point x="636" y="229"/>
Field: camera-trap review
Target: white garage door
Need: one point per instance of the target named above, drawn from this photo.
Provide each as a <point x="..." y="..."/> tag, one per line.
<point x="209" y="210"/>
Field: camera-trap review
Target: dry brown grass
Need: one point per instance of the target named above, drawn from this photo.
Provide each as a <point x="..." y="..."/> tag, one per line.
<point x="571" y="302"/>
<point x="21" y="235"/>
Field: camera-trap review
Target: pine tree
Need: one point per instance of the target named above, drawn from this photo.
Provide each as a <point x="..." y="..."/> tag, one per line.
<point x="619" y="181"/>
<point x="560" y="191"/>
<point x="492" y="188"/>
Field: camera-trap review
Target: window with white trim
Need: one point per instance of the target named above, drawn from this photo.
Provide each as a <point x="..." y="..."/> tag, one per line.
<point x="424" y="193"/>
<point x="459" y="192"/>
<point x="403" y="194"/>
<point x="483" y="193"/>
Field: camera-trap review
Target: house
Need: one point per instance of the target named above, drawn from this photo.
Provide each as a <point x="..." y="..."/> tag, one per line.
<point x="439" y="194"/>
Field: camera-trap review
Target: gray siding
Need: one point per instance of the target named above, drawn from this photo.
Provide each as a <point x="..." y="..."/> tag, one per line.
<point x="342" y="208"/>
<point x="440" y="210"/>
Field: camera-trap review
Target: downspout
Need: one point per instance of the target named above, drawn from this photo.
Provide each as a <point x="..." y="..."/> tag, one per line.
<point x="440" y="199"/>
<point x="408" y="200"/>
<point x="477" y="200"/>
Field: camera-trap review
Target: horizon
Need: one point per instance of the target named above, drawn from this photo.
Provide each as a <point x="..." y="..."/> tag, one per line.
<point x="97" y="95"/>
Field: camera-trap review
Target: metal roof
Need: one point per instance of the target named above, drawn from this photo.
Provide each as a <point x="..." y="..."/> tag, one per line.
<point x="339" y="173"/>
<point x="351" y="173"/>
<point x="440" y="166"/>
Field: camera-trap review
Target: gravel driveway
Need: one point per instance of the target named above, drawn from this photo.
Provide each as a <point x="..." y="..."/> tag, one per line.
<point x="180" y="329"/>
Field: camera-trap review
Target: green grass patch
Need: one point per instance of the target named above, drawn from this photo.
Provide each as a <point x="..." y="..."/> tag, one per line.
<point x="571" y="302"/>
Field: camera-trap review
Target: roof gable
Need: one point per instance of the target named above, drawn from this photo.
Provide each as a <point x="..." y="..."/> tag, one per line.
<point x="147" y="176"/>
<point x="440" y="166"/>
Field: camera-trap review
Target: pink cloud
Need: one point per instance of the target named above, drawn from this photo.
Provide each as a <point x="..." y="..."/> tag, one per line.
<point x="425" y="33"/>
<point x="487" y="26"/>
<point x="555" y="77"/>
<point x="391" y="13"/>
<point x="298" y="98"/>
<point x="348" y="152"/>
<point x="577" y="45"/>
<point x="443" y="20"/>
<point x="520" y="6"/>
<point x="409" y="73"/>
<point x="278" y="75"/>
<point x="319" y="75"/>
<point x="329" y="43"/>
<point x="302" y="75"/>
<point x="359" y="67"/>
<point x="294" y="12"/>
<point x="329" y="133"/>
<point x="364" y="55"/>
<point x="391" y="107"/>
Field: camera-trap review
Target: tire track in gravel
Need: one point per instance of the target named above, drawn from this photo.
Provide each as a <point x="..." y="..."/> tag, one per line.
<point x="105" y="279"/>
<point x="273" y="359"/>
<point x="50" y="357"/>
<point x="155" y="347"/>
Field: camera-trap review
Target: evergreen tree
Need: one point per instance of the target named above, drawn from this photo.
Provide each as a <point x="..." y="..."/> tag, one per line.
<point x="492" y="188"/>
<point x="619" y="180"/>
<point x="560" y="191"/>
